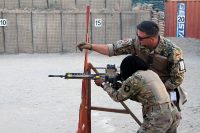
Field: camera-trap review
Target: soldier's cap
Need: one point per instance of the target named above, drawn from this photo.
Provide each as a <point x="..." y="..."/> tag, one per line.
<point x="130" y="65"/>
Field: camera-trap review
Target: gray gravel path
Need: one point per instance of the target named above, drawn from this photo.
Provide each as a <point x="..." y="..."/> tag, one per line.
<point x="30" y="102"/>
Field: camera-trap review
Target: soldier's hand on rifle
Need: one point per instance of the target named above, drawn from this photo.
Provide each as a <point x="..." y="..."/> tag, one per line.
<point x="116" y="85"/>
<point x="98" y="82"/>
<point x="84" y="45"/>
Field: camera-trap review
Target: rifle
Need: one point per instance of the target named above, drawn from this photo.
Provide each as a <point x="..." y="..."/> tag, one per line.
<point x="110" y="75"/>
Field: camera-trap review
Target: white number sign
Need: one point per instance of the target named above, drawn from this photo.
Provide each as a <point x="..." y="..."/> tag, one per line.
<point x="3" y="22"/>
<point x="180" y="27"/>
<point x="98" y="22"/>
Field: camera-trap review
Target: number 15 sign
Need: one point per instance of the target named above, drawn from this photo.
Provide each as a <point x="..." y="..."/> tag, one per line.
<point x="98" y="22"/>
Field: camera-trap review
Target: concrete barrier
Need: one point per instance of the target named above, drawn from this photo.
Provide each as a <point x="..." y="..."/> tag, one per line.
<point x="24" y="29"/>
<point x="25" y="3"/>
<point x="98" y="4"/>
<point x="69" y="32"/>
<point x="81" y="4"/>
<point x="11" y="43"/>
<point x="113" y="5"/>
<point x="54" y="39"/>
<point x="68" y="4"/>
<point x="1" y="36"/>
<point x="40" y="4"/>
<point x="118" y="5"/>
<point x="54" y="4"/>
<point x="2" y="4"/>
<point x="98" y="27"/>
<point x="128" y="19"/>
<point x="81" y="27"/>
<point x="142" y="15"/>
<point x="113" y="27"/>
<point x="39" y="31"/>
<point x="125" y="5"/>
<point x="11" y="4"/>
<point x="52" y="31"/>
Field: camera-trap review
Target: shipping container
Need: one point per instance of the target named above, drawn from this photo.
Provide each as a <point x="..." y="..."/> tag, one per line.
<point x="182" y="18"/>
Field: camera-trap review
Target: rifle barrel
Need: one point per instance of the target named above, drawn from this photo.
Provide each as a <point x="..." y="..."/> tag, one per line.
<point x="80" y="76"/>
<point x="61" y="76"/>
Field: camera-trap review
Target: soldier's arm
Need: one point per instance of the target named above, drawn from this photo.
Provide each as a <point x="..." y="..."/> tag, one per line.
<point x="101" y="48"/>
<point x="122" y="47"/>
<point x="176" y="68"/>
<point x="129" y="88"/>
<point x="119" y="48"/>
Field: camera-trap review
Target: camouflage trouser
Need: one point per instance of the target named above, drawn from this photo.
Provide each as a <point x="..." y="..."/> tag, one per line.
<point x="160" y="120"/>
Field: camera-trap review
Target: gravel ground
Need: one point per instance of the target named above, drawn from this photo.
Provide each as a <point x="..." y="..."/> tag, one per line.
<point x="30" y="102"/>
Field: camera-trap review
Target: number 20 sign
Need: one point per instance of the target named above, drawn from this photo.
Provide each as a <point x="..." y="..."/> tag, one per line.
<point x="180" y="25"/>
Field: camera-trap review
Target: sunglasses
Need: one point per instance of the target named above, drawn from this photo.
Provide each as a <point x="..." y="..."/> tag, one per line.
<point x="142" y="38"/>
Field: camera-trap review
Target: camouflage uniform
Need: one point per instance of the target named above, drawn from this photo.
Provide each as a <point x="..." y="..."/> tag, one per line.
<point x="164" y="59"/>
<point x="145" y="87"/>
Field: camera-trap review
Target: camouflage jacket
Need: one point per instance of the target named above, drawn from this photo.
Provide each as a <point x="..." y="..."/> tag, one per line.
<point x="143" y="86"/>
<point x="170" y="71"/>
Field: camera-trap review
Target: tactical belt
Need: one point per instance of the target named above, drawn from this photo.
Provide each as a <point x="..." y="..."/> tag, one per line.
<point x="153" y="108"/>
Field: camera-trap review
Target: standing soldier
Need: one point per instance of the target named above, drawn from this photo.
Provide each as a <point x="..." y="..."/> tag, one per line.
<point x="163" y="56"/>
<point x="144" y="86"/>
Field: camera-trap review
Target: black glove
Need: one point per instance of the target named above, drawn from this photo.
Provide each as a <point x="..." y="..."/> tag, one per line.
<point x="83" y="45"/>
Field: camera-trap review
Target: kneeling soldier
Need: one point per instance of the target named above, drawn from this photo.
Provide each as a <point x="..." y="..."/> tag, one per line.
<point x="144" y="86"/>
